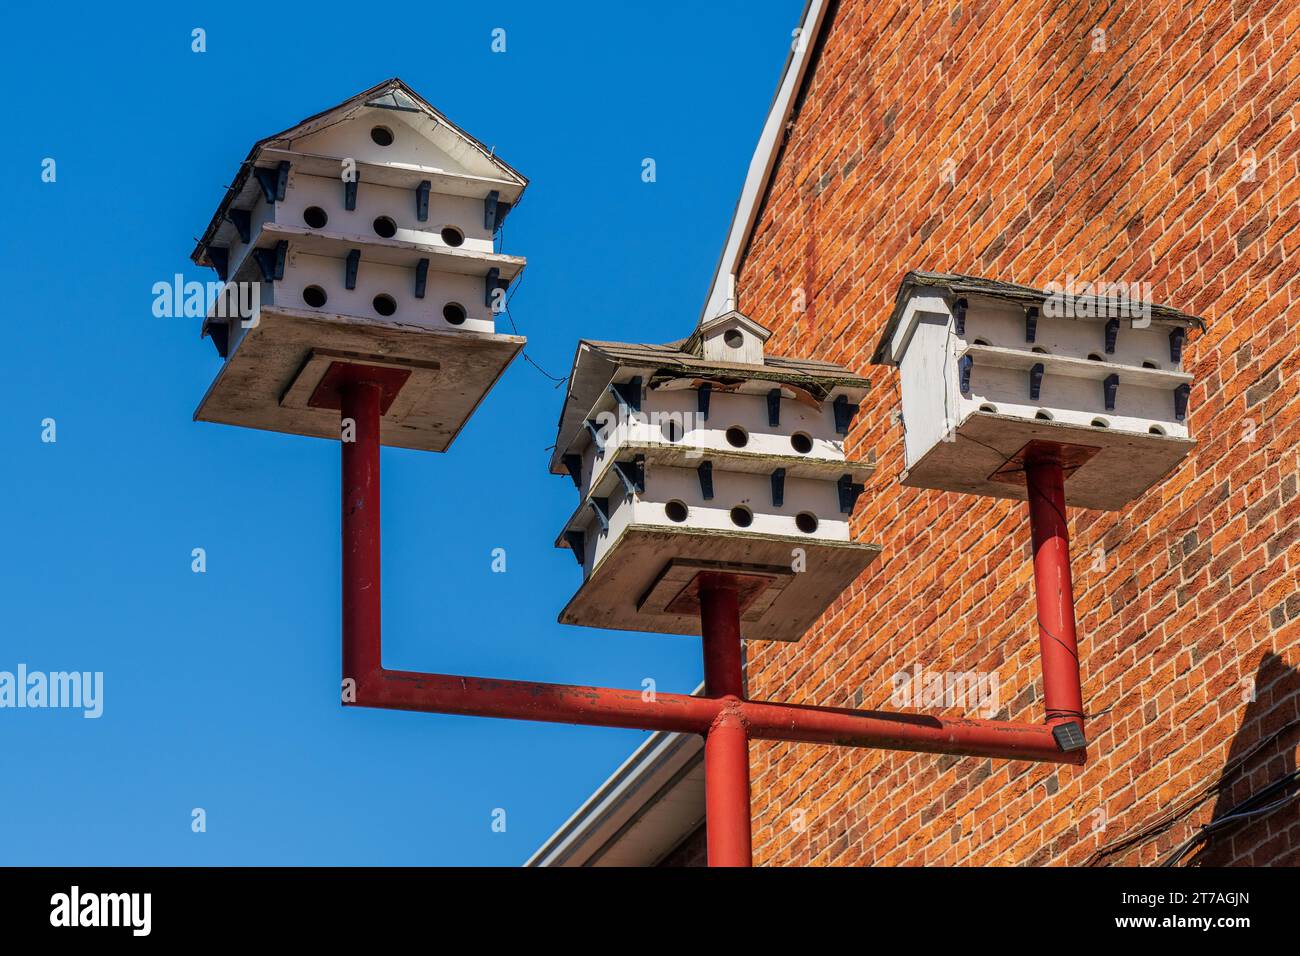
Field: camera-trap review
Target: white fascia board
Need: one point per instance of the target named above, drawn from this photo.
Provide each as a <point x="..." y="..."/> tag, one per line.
<point x="921" y="302"/>
<point x="625" y="793"/>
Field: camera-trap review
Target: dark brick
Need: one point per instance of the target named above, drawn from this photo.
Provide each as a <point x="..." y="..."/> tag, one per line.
<point x="1262" y="509"/>
<point x="1283" y="540"/>
<point x="1263" y="388"/>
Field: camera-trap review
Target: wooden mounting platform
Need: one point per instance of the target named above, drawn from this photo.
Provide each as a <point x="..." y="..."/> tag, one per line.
<point x="629" y="590"/>
<point x="677" y="590"/>
<point x="1123" y="467"/>
<point x="268" y="380"/>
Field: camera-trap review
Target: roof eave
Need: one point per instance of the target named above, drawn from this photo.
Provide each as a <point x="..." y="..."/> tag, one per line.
<point x="955" y="285"/>
<point x="199" y="255"/>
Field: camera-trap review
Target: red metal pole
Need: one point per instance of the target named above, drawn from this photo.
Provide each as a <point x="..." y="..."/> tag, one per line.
<point x="361" y="564"/>
<point x="1053" y="587"/>
<point x="726" y="743"/>
<point x="921" y="733"/>
<point x="530" y="700"/>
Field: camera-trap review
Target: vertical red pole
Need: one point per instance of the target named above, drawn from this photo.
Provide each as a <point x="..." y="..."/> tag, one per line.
<point x="1053" y="587"/>
<point x="361" y="568"/>
<point x="726" y="743"/>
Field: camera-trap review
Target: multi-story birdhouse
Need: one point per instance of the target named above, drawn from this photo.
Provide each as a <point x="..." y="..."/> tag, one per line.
<point x="365" y="234"/>
<point x="988" y="367"/>
<point x="709" y="455"/>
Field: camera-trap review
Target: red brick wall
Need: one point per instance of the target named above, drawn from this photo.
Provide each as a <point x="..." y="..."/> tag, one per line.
<point x="1128" y="164"/>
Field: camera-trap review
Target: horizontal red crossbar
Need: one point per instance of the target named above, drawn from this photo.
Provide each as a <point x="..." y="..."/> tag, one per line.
<point x="681" y="713"/>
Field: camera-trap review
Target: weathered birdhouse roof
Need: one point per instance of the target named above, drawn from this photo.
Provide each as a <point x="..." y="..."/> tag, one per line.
<point x="695" y="343"/>
<point x="597" y="363"/>
<point x="488" y="170"/>
<point x="962" y="285"/>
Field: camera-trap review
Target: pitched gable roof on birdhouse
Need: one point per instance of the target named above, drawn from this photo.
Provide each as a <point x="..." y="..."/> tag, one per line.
<point x="452" y="160"/>
<point x="955" y="286"/>
<point x="362" y="236"/>
<point x="730" y="337"/>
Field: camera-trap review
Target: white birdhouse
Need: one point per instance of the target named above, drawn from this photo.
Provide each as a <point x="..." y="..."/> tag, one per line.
<point x="362" y="235"/>
<point x="987" y="367"/>
<point x="707" y="455"/>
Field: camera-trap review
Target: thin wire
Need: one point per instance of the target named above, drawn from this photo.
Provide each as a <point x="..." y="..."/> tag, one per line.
<point x="1236" y="815"/>
<point x="514" y="288"/>
<point x="1160" y="824"/>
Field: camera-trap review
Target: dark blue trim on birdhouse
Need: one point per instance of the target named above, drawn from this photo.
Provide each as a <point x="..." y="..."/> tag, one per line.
<point x="844" y="413"/>
<point x="628" y="393"/>
<point x="1031" y="323"/>
<point x="422" y="200"/>
<point x="705" y="471"/>
<point x="219" y="256"/>
<point x="271" y="261"/>
<point x="959" y="316"/>
<point x="274" y="182"/>
<point x="219" y="332"/>
<point x="774" y="407"/>
<point x="491" y="284"/>
<point x="1112" y="334"/>
<point x="1181" y="394"/>
<point x="632" y="474"/>
<point x="1110" y="386"/>
<point x="573" y="465"/>
<point x="849" y="491"/>
<point x="596" y="438"/>
<point x="421" y="277"/>
<point x="242" y="220"/>
<point x="350" y="269"/>
<point x="578" y="544"/>
<point x="1176" y="339"/>
<point x="350" y="192"/>
<point x="601" y="507"/>
<point x="702" y="400"/>
<point x="965" y="365"/>
<point x="778" y="488"/>
<point x="1036" y="380"/>
<point x="494" y="212"/>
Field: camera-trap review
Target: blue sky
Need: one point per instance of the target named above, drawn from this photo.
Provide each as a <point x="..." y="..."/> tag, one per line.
<point x="221" y="689"/>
